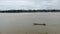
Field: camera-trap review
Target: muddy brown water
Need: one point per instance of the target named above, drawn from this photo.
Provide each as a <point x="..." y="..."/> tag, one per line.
<point x="22" y="23"/>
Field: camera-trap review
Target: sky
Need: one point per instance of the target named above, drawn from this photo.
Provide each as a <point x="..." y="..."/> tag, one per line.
<point x="29" y="4"/>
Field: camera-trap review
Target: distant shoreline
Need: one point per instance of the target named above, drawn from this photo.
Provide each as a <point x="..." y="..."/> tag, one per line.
<point x="18" y="11"/>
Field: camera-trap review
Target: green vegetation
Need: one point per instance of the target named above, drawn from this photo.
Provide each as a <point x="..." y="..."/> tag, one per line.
<point x="18" y="11"/>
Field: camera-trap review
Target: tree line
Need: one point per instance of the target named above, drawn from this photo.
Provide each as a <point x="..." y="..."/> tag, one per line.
<point x="18" y="11"/>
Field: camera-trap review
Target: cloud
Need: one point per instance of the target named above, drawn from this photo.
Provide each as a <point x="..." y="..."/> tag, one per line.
<point x="29" y="4"/>
<point x="16" y="3"/>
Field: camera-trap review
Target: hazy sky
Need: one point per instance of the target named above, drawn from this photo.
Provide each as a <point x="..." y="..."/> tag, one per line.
<point x="29" y="4"/>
